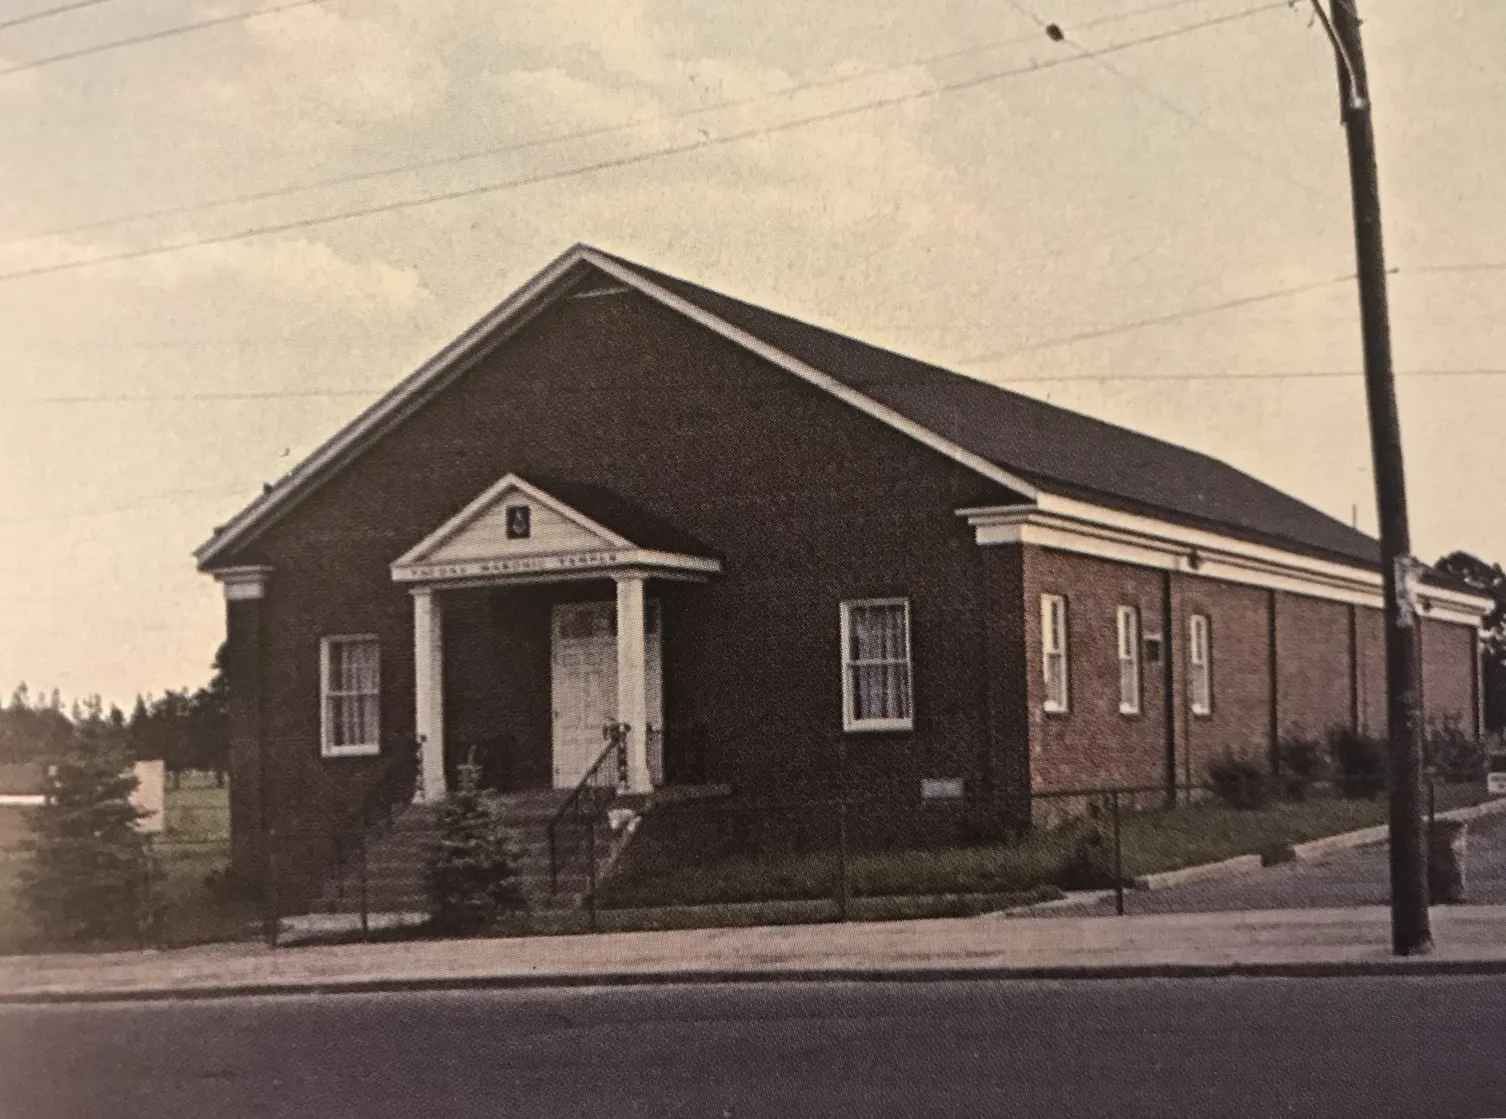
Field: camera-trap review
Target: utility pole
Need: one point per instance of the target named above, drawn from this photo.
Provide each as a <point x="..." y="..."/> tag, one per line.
<point x="1410" y="932"/>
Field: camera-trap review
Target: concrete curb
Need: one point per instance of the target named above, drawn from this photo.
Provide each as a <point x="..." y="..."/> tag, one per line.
<point x="1317" y="969"/>
<point x="1365" y="837"/>
<point x="1224" y="868"/>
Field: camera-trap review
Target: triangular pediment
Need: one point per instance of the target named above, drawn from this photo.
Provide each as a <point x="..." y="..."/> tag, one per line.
<point x="511" y="521"/>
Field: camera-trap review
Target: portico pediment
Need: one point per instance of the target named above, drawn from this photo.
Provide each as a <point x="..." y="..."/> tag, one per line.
<point x="518" y="532"/>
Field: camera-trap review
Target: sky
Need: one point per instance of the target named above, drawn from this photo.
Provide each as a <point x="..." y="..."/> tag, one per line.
<point x="217" y="245"/>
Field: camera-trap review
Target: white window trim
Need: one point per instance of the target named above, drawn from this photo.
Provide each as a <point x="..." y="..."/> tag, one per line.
<point x="1050" y="648"/>
<point x="1128" y="626"/>
<point x="1200" y="668"/>
<point x="327" y="748"/>
<point x="892" y="724"/>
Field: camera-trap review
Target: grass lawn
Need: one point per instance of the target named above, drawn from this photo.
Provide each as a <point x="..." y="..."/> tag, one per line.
<point x="195" y="841"/>
<point x="1153" y="840"/>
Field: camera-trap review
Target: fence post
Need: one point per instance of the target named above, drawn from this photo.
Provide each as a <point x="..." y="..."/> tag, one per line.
<point x="365" y="887"/>
<point x="842" y="859"/>
<point x="271" y="926"/>
<point x="1118" y="858"/>
<point x="1432" y="801"/>
<point x="591" y="896"/>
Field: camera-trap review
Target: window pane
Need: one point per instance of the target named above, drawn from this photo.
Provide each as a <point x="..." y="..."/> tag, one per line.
<point x="1129" y="684"/>
<point x="877" y="633"/>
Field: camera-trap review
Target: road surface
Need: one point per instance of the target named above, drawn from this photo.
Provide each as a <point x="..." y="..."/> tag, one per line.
<point x="1363" y="1047"/>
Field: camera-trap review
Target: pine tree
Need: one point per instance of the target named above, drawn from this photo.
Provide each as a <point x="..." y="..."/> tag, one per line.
<point x="469" y="875"/>
<point x="91" y="879"/>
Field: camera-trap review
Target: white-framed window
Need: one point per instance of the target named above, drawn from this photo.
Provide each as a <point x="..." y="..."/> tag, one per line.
<point x="1054" y="650"/>
<point x="350" y="690"/>
<point x="1199" y="665"/>
<point x="876" y="671"/>
<point x="1129" y="660"/>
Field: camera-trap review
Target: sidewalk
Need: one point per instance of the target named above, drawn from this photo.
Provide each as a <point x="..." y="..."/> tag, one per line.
<point x="1274" y="942"/>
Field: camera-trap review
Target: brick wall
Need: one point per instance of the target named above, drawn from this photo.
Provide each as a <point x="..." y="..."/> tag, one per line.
<point x="1370" y="682"/>
<point x="1092" y="743"/>
<point x="1239" y="724"/>
<point x="1448" y="674"/>
<point x="1312" y="649"/>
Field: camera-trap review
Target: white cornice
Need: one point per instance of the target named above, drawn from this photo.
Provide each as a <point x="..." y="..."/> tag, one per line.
<point x="1076" y="526"/>
<point x="245" y="582"/>
<point x="554" y="567"/>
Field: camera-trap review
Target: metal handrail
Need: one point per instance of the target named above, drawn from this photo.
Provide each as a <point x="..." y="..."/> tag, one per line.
<point x="616" y="734"/>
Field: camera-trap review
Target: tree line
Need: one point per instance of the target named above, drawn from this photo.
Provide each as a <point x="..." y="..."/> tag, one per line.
<point x="187" y="730"/>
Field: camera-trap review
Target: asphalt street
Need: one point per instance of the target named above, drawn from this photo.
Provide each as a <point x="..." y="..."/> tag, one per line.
<point x="1369" y="1047"/>
<point x="1341" y="881"/>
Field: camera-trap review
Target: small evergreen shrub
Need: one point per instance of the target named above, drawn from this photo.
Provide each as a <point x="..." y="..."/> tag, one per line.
<point x="469" y="875"/>
<point x="1089" y="864"/>
<point x="91" y="880"/>
<point x="1302" y="764"/>
<point x="1240" y="783"/>
<point x="1455" y="756"/>
<point x="1360" y="761"/>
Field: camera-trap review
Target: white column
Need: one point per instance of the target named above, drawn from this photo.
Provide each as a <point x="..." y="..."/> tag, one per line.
<point x="632" y="678"/>
<point x="428" y="691"/>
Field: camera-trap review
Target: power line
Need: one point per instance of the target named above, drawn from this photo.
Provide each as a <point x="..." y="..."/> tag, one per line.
<point x="152" y="37"/>
<point x="193" y="397"/>
<point x="626" y="160"/>
<point x="142" y="502"/>
<point x="1183" y="114"/>
<point x="47" y="13"/>
<point x="543" y="141"/>
<point x="1156" y="320"/>
<point x="893" y="379"/>
<point x="1295" y="375"/>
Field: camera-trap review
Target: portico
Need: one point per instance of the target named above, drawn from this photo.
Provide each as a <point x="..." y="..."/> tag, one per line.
<point x="606" y="655"/>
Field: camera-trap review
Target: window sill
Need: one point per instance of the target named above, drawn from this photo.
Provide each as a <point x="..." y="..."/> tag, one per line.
<point x="1131" y="712"/>
<point x="350" y="751"/>
<point x="1057" y="712"/>
<point x="862" y="726"/>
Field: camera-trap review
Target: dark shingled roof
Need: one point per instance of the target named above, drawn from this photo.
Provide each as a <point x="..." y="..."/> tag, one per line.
<point x="1063" y="452"/>
<point x="614" y="512"/>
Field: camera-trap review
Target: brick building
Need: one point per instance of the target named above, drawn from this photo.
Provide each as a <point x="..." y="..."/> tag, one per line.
<point x="762" y="545"/>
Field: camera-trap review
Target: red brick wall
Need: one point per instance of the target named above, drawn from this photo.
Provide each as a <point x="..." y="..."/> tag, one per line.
<point x="1312" y="650"/>
<point x="806" y="500"/>
<point x="1239" y="647"/>
<point x="1370" y="631"/>
<point x="1448" y="667"/>
<point x="1092" y="743"/>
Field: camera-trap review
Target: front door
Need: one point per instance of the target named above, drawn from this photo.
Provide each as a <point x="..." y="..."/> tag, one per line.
<point x="583" y="683"/>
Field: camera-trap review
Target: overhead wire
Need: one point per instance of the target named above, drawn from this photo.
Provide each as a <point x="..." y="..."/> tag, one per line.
<point x="48" y="13"/>
<point x="628" y="160"/>
<point x="152" y="37"/>
<point x="560" y="138"/>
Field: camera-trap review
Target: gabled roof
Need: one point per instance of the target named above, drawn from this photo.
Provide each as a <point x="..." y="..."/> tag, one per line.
<point x="516" y="527"/>
<point x="1060" y="451"/>
<point x="1017" y="441"/>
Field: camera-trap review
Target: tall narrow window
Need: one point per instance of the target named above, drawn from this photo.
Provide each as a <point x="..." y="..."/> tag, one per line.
<point x="876" y="675"/>
<point x="1129" y="660"/>
<point x="350" y="674"/>
<point x="1054" y="650"/>
<point x="1200" y="665"/>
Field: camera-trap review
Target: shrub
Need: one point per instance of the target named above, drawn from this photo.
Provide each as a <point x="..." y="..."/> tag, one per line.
<point x="1454" y="755"/>
<point x="1361" y="762"/>
<point x="1089" y="864"/>
<point x="469" y="874"/>
<point x="92" y="879"/>
<point x="1240" y="783"/>
<point x="1301" y="764"/>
